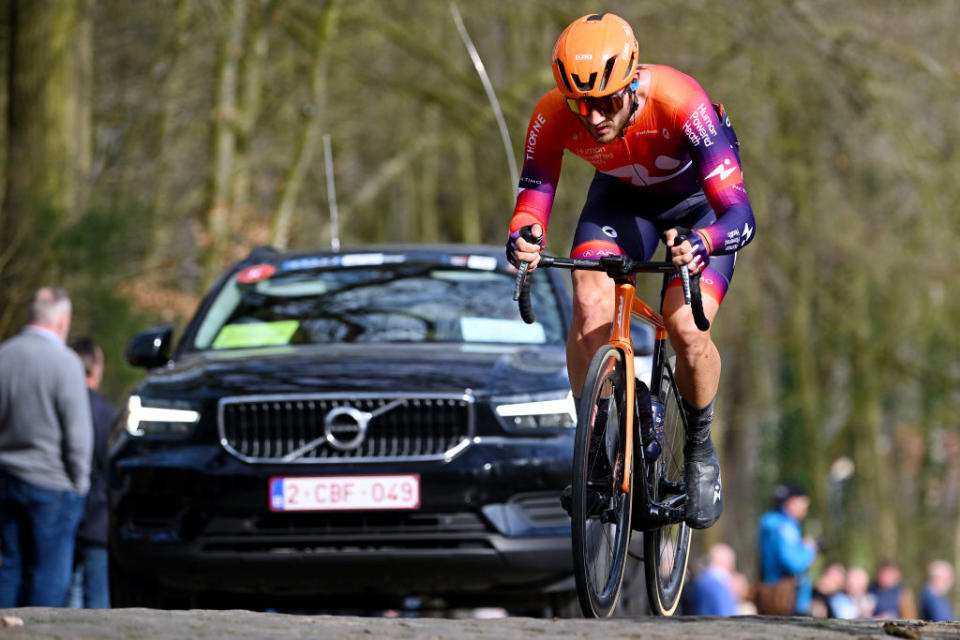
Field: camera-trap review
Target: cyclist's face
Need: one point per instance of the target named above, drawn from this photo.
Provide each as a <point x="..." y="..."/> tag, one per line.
<point x="604" y="126"/>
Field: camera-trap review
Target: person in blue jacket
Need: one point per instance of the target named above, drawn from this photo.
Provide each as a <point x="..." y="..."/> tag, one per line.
<point x="784" y="551"/>
<point x="936" y="593"/>
<point x="712" y="590"/>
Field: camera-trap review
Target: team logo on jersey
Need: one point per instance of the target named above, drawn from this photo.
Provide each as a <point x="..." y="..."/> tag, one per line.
<point x="533" y="135"/>
<point x="699" y="127"/>
<point x="723" y="170"/>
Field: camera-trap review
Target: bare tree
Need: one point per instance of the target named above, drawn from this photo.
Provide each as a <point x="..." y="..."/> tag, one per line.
<point x="313" y="120"/>
<point x="225" y="124"/>
<point x="48" y="140"/>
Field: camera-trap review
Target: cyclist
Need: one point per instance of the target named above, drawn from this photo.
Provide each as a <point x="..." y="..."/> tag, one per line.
<point x="665" y="157"/>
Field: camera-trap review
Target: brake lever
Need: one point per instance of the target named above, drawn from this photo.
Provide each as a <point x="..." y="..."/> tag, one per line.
<point x="524" y="267"/>
<point x="690" y="297"/>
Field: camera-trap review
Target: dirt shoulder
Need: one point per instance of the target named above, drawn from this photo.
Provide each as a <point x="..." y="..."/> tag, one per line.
<point x="43" y="623"/>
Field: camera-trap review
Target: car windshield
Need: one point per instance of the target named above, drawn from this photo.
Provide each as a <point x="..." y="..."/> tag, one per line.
<point x="297" y="303"/>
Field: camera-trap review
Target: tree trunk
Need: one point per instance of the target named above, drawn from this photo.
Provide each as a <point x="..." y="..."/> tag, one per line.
<point x="217" y="223"/>
<point x="254" y="61"/>
<point x="470" y="230"/>
<point x="171" y="90"/>
<point x="428" y="211"/>
<point x="311" y="131"/>
<point x="49" y="135"/>
<point x="745" y="408"/>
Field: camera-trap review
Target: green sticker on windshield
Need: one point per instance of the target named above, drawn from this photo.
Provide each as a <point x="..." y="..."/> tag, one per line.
<point x="255" y="334"/>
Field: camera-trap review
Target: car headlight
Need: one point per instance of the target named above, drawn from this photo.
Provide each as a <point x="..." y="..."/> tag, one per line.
<point x="160" y="417"/>
<point x="537" y="411"/>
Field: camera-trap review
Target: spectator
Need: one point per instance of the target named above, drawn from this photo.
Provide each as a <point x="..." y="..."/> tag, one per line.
<point x="858" y="584"/>
<point x="848" y="601"/>
<point x="936" y="593"/>
<point x="712" y="589"/>
<point x="828" y="592"/>
<point x="45" y="446"/>
<point x="91" y="577"/>
<point x="785" y="555"/>
<point x="893" y="599"/>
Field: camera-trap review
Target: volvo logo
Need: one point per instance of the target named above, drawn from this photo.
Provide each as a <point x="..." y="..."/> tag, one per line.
<point x="346" y="427"/>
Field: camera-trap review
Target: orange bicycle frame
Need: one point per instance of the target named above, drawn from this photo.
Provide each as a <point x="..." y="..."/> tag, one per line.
<point x="626" y="303"/>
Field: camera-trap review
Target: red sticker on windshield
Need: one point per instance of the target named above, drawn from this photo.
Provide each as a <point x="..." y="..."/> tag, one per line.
<point x="256" y="273"/>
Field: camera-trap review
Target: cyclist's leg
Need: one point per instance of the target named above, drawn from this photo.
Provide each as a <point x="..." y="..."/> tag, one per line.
<point x="698" y="376"/>
<point x="590" y="326"/>
<point x="608" y="225"/>
<point x="698" y="361"/>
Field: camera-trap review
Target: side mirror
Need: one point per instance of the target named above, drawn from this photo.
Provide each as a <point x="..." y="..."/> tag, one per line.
<point x="150" y="348"/>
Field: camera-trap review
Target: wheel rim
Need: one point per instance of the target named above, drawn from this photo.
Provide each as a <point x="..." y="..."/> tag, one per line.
<point x="601" y="512"/>
<point x="667" y="548"/>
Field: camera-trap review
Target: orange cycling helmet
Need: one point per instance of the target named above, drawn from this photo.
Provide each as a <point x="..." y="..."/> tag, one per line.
<point x="595" y="56"/>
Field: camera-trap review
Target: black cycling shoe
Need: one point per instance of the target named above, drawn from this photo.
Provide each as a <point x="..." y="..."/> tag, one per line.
<point x="701" y="472"/>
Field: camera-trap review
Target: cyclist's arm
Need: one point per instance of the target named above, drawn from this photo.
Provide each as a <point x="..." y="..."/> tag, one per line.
<point x="542" y="157"/>
<point x="719" y="173"/>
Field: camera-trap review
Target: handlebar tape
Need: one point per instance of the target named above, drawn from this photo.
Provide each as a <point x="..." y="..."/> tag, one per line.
<point x="691" y="286"/>
<point x="521" y="289"/>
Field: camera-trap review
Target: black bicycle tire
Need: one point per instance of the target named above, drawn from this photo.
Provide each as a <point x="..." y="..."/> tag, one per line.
<point x="665" y="567"/>
<point x="599" y="602"/>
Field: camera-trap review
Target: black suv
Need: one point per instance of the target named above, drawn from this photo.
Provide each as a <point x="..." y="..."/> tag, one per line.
<point x="376" y="422"/>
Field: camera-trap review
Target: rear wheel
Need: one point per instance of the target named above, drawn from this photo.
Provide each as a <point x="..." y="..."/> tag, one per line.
<point x="667" y="548"/>
<point x="600" y="523"/>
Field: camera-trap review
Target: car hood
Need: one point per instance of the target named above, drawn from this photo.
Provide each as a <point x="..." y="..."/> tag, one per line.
<point x="369" y="368"/>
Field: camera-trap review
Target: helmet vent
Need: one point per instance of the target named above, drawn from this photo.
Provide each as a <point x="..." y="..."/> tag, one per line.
<point x="629" y="67"/>
<point x="607" y="70"/>
<point x="563" y="74"/>
<point x="596" y="17"/>
<point x="584" y="86"/>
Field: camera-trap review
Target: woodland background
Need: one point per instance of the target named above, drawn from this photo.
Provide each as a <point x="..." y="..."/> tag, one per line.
<point x="146" y="145"/>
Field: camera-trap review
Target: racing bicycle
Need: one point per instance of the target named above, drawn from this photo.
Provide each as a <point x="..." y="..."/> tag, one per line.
<point x="628" y="451"/>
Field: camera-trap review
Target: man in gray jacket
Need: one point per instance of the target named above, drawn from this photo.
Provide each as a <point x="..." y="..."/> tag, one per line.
<point x="46" y="441"/>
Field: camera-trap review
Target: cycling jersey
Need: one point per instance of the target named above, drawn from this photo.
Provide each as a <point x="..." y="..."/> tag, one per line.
<point x="612" y="223"/>
<point x="675" y="147"/>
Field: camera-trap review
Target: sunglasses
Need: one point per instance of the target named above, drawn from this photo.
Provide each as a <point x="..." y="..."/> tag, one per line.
<point x="606" y="105"/>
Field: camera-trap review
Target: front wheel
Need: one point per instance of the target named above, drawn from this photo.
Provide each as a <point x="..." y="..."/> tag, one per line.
<point x="600" y="521"/>
<point x="667" y="548"/>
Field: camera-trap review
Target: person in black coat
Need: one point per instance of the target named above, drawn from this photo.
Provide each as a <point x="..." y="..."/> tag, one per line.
<point x="91" y="549"/>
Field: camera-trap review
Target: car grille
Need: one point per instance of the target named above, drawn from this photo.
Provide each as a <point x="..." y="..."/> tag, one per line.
<point x="328" y="429"/>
